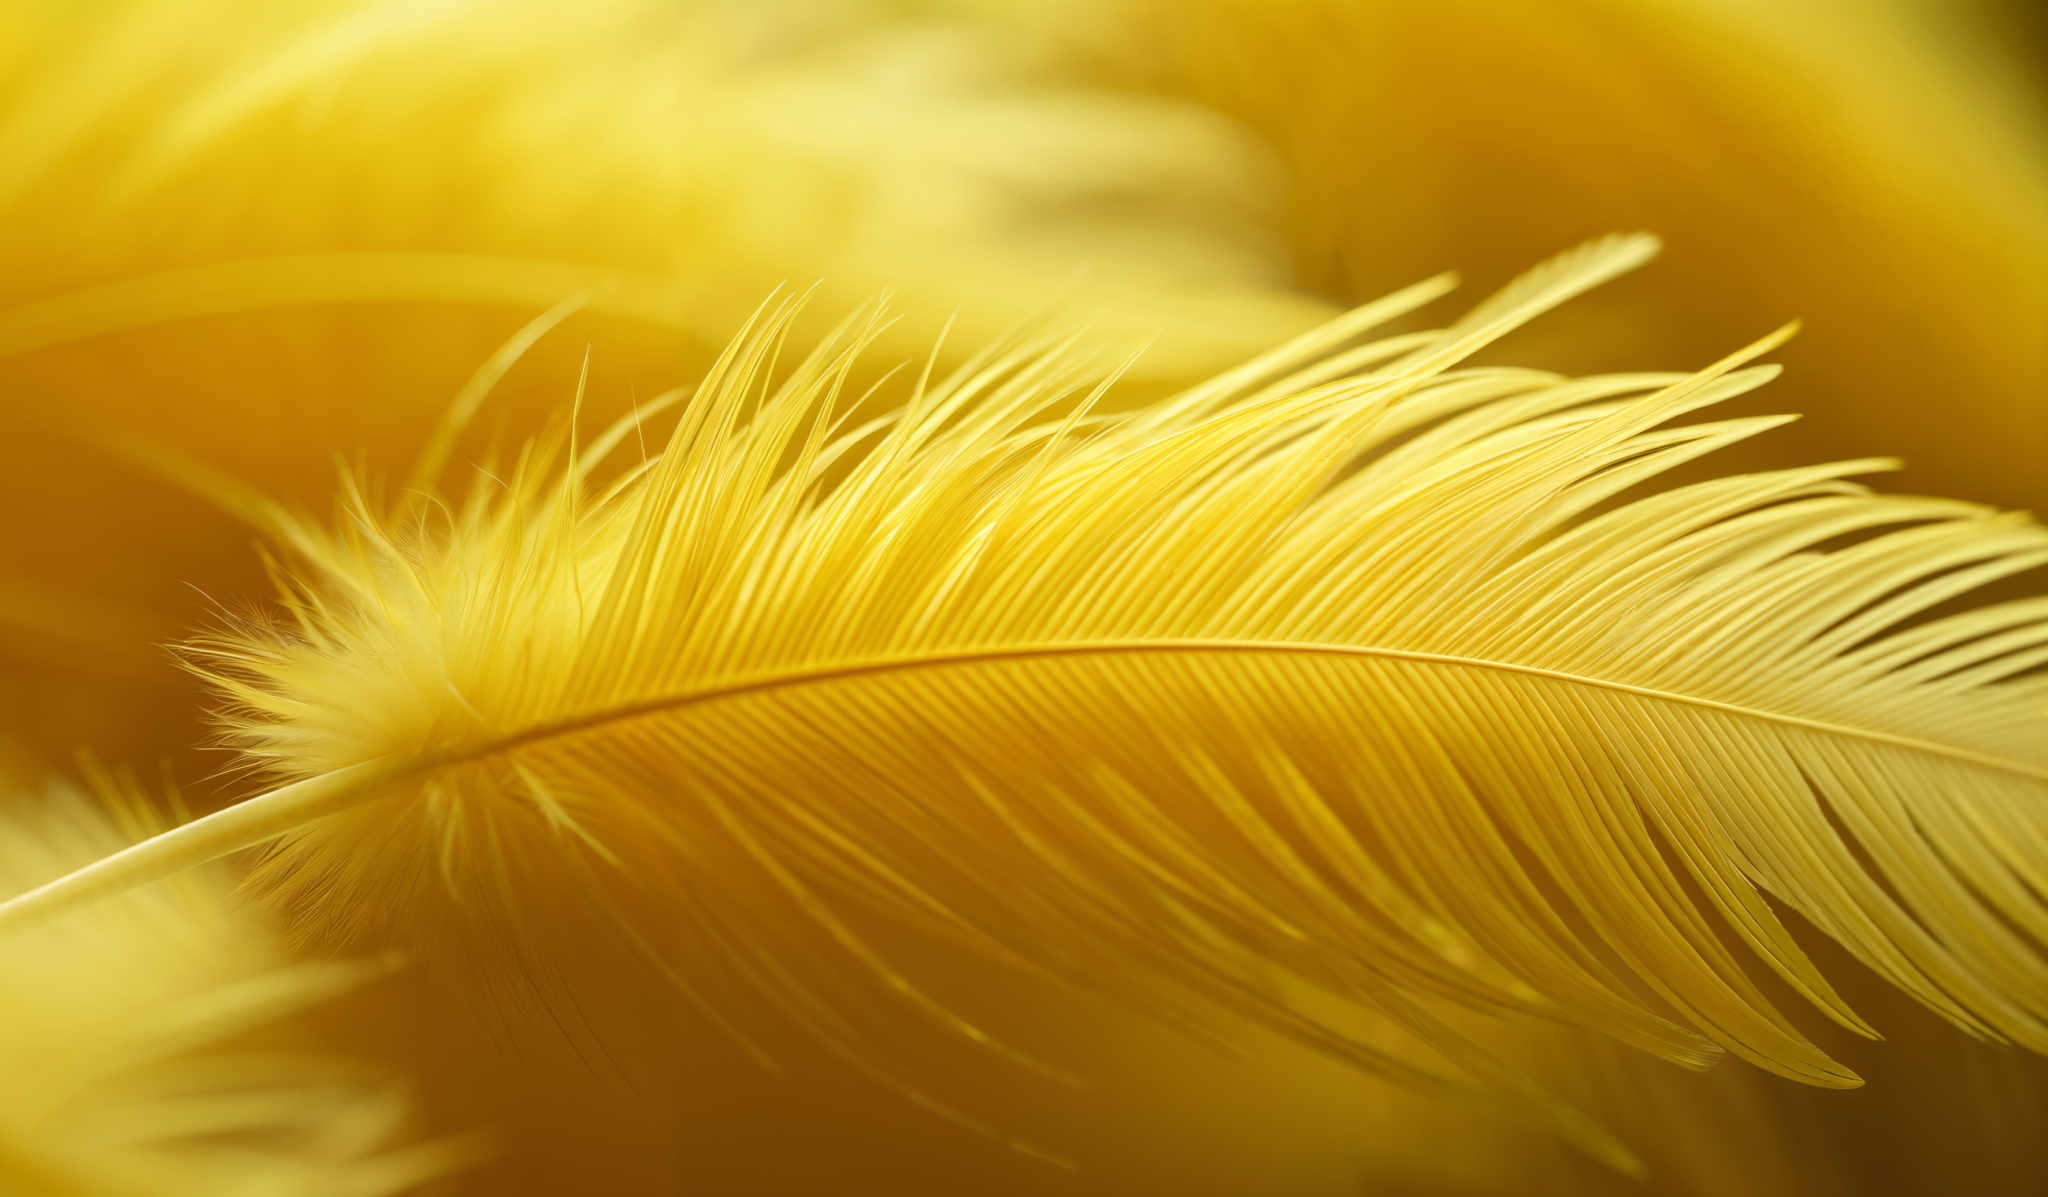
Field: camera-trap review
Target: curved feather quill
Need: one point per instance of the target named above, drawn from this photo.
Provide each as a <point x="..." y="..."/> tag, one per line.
<point x="1355" y="672"/>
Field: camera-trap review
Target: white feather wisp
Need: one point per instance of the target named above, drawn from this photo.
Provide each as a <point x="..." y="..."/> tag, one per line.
<point x="1359" y="677"/>
<point x="138" y="1046"/>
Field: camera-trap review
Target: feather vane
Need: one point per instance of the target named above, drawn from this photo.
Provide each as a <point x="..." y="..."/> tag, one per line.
<point x="1392" y="676"/>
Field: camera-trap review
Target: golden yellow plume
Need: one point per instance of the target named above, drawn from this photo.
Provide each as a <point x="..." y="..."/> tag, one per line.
<point x="1356" y="675"/>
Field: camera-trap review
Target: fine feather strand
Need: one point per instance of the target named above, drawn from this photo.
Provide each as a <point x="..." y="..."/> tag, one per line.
<point x="1356" y="666"/>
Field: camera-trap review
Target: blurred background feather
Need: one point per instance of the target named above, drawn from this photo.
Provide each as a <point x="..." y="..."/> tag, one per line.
<point x="146" y="1047"/>
<point x="264" y="236"/>
<point x="1878" y="170"/>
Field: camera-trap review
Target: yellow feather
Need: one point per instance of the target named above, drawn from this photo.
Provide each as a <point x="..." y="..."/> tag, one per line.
<point x="1357" y="678"/>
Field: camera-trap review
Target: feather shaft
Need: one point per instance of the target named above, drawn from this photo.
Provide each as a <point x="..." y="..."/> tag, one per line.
<point x="261" y="819"/>
<point x="210" y="837"/>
